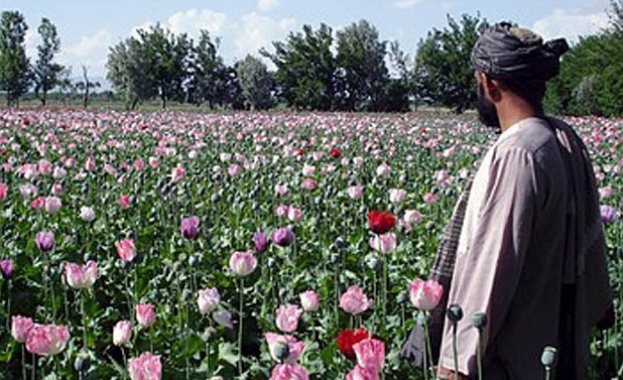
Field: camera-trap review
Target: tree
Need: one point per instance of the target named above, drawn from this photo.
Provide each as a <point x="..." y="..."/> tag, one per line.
<point x="157" y="63"/>
<point x="65" y="86"/>
<point x="46" y="72"/>
<point x="129" y="72"/>
<point x="615" y="16"/>
<point x="85" y="86"/>
<point x="15" y="71"/>
<point x="362" y="74"/>
<point x="305" y="68"/>
<point x="255" y="82"/>
<point x="167" y="65"/>
<point x="210" y="77"/>
<point x="589" y="80"/>
<point x="443" y="72"/>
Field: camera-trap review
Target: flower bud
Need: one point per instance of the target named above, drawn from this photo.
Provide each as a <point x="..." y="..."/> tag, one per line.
<point x="374" y="263"/>
<point x="340" y="243"/>
<point x="548" y="358"/>
<point x="281" y="351"/>
<point x="455" y="313"/>
<point x="479" y="320"/>
<point x="82" y="362"/>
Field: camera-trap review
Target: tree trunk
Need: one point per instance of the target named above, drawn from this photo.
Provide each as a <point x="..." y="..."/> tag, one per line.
<point x="86" y="96"/>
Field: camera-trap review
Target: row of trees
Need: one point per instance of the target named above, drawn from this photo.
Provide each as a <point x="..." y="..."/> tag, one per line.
<point x="158" y="63"/>
<point x="316" y="69"/>
<point x="590" y="81"/>
<point x="18" y="75"/>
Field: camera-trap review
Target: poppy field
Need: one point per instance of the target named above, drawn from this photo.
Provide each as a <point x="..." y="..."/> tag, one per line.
<point x="179" y="245"/>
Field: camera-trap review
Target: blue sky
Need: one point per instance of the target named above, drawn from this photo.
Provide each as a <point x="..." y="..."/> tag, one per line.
<point x="88" y="27"/>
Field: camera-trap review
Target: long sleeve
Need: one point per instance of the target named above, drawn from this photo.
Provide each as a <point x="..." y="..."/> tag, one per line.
<point x="489" y="267"/>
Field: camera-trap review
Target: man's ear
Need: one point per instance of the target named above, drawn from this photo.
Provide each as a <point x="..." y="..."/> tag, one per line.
<point x="492" y="88"/>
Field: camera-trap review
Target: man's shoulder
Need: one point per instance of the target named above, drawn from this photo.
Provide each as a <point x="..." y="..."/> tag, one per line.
<point x="531" y="135"/>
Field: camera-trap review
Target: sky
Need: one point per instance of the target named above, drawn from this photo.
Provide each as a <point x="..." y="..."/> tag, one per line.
<point x="88" y="28"/>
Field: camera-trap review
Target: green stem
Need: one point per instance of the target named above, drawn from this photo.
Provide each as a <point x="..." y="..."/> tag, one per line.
<point x="385" y="290"/>
<point x="336" y="310"/>
<point x="125" y="360"/>
<point x="240" y="315"/>
<point x="24" y="376"/>
<point x="455" y="349"/>
<point x="428" y="350"/>
<point x="8" y="302"/>
<point x="209" y="348"/>
<point x="84" y="320"/>
<point x="65" y="301"/>
<point x="375" y="294"/>
<point x="479" y="354"/>
<point x="425" y="364"/>
<point x="129" y="297"/>
<point x="34" y="367"/>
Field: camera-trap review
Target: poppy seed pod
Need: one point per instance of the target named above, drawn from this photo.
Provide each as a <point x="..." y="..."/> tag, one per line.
<point x="548" y="358"/>
<point x="455" y="313"/>
<point x="479" y="320"/>
<point x="281" y="351"/>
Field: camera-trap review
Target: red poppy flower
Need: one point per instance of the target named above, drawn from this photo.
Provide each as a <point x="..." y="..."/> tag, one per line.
<point x="335" y="153"/>
<point x="381" y="222"/>
<point x="346" y="339"/>
<point x="300" y="152"/>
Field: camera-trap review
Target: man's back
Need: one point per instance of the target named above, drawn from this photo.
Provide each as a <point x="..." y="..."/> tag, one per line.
<point x="510" y="255"/>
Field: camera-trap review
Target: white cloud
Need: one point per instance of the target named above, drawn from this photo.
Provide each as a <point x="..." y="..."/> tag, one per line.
<point x="570" y="24"/>
<point x="91" y="45"/>
<point x="90" y="51"/>
<point x="31" y="40"/>
<point x="266" y="5"/>
<point x="257" y="31"/>
<point x="405" y="4"/>
<point x="194" y="20"/>
<point x="239" y="37"/>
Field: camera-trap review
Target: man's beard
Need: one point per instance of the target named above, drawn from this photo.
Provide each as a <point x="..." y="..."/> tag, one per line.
<point x="487" y="114"/>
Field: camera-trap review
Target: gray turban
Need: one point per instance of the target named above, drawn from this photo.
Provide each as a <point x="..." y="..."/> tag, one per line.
<point x="507" y="52"/>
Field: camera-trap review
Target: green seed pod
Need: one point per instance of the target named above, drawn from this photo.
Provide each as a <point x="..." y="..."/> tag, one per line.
<point x="82" y="362"/>
<point x="281" y="351"/>
<point x="402" y="297"/>
<point x="374" y="263"/>
<point x="548" y="358"/>
<point x="340" y="243"/>
<point x="455" y="313"/>
<point x="479" y="320"/>
<point x="194" y="261"/>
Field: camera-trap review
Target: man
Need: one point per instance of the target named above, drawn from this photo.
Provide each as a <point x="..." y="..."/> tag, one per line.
<point x="530" y="253"/>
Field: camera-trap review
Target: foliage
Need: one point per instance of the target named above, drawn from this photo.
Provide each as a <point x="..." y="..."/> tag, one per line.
<point x="361" y="72"/>
<point x="46" y="72"/>
<point x="15" y="70"/>
<point x="126" y="64"/>
<point x="255" y="83"/>
<point x="305" y="68"/>
<point x="443" y="72"/>
<point x="588" y="82"/>
<point x="161" y="64"/>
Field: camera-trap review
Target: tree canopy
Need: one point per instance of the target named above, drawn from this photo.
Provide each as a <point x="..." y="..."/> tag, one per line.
<point x="351" y="69"/>
<point x="15" y="70"/>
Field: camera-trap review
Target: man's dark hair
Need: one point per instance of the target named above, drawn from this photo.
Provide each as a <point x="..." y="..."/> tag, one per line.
<point x="532" y="91"/>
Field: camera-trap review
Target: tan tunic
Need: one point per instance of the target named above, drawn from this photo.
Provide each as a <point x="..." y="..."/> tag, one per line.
<point x="510" y="256"/>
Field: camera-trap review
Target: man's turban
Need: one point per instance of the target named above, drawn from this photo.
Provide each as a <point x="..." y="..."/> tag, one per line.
<point x="507" y="52"/>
